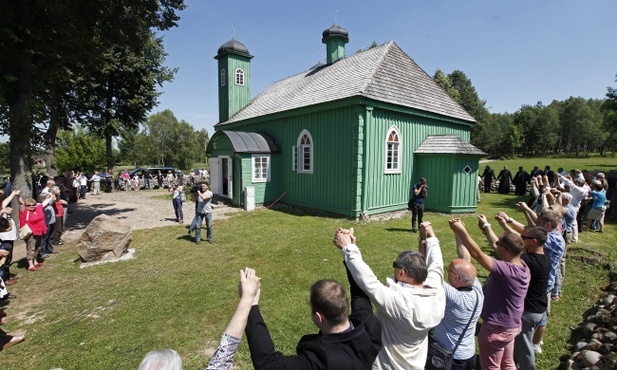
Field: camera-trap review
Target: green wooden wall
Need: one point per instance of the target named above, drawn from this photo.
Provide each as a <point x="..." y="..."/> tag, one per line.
<point x="389" y="192"/>
<point x="233" y="97"/>
<point x="452" y="190"/>
<point x="349" y="139"/>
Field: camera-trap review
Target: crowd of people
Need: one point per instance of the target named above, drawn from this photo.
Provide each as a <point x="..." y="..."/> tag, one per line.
<point x="420" y="308"/>
<point x="423" y="307"/>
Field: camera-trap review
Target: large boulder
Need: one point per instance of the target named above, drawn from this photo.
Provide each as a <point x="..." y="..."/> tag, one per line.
<point x="106" y="238"/>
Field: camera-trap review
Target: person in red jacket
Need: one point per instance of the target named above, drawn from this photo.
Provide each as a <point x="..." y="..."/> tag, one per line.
<point x="31" y="214"/>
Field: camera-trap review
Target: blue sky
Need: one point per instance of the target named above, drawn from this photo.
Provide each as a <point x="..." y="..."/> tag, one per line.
<point x="515" y="52"/>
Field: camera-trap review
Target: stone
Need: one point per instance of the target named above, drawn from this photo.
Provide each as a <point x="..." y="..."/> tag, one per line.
<point x="580" y="345"/>
<point x="589" y="328"/>
<point x="591" y="358"/>
<point x="606" y="348"/>
<point x="611" y="336"/>
<point x="609" y="361"/>
<point x="594" y="345"/>
<point x="106" y="238"/>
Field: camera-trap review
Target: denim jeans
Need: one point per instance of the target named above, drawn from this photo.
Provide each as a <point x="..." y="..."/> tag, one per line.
<point x="46" y="246"/>
<point x="177" y="202"/>
<point x="200" y="217"/>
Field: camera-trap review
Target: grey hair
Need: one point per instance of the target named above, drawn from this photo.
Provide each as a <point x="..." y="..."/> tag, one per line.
<point x="161" y="359"/>
<point x="466" y="277"/>
<point x="414" y="265"/>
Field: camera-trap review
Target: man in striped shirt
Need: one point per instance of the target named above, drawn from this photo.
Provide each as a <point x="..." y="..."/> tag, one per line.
<point x="462" y="293"/>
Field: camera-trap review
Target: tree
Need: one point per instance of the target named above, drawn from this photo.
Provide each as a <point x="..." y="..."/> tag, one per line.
<point x="80" y="150"/>
<point x="125" y="87"/>
<point x="460" y="88"/>
<point x="45" y="46"/>
<point x="609" y="118"/>
<point x="166" y="141"/>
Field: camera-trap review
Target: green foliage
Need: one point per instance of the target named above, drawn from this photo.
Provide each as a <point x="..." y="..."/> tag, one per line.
<point x="166" y="141"/>
<point x="79" y="150"/>
<point x="69" y="62"/>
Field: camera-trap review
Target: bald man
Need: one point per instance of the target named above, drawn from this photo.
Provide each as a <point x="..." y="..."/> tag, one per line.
<point x="464" y="299"/>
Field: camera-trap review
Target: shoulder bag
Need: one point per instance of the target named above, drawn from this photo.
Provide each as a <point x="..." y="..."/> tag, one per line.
<point x="440" y="358"/>
<point x="25" y="231"/>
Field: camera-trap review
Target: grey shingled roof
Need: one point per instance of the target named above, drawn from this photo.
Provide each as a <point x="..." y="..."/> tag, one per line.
<point x="384" y="73"/>
<point x="251" y="142"/>
<point x="447" y="144"/>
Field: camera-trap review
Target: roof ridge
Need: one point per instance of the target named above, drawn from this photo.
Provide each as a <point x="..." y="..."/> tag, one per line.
<point x="387" y="46"/>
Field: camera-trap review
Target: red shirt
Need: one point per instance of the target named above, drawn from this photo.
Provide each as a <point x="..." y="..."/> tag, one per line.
<point x="58" y="209"/>
<point x="36" y="220"/>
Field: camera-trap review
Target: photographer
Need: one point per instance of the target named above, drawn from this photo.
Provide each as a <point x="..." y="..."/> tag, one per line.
<point x="176" y="200"/>
<point x="203" y="211"/>
<point x="416" y="203"/>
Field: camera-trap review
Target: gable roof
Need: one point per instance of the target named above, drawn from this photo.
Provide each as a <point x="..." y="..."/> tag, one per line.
<point x="447" y="144"/>
<point x="384" y="73"/>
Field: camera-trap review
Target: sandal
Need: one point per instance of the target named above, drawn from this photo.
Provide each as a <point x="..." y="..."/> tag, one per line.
<point x="33" y="268"/>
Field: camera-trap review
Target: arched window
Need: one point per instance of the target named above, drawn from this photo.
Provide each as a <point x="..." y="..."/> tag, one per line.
<point x="303" y="153"/>
<point x="239" y="77"/>
<point x="223" y="77"/>
<point x="393" y="151"/>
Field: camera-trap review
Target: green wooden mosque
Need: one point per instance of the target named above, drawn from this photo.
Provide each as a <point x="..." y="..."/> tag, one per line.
<point x="351" y="136"/>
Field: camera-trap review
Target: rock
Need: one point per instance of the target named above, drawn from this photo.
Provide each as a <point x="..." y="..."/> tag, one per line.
<point x="594" y="345"/>
<point x="105" y="238"/>
<point x="580" y="345"/>
<point x="609" y="299"/>
<point x="610" y="336"/>
<point x="609" y="362"/>
<point x="591" y="358"/>
<point x="606" y="348"/>
<point x="573" y="365"/>
<point x="589" y="328"/>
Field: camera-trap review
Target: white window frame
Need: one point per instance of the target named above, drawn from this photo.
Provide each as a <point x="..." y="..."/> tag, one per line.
<point x="239" y="77"/>
<point x="255" y="159"/>
<point x="393" y="149"/>
<point x="304" y="151"/>
<point x="223" y="77"/>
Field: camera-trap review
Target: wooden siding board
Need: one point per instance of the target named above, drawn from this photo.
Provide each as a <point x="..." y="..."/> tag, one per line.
<point x="394" y="190"/>
<point x="332" y="185"/>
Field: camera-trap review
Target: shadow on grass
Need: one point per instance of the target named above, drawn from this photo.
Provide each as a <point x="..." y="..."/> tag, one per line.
<point x="398" y="229"/>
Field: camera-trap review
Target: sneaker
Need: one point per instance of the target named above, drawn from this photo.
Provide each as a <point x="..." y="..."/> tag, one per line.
<point x="210" y="241"/>
<point x="414" y="230"/>
<point x="197" y="242"/>
<point x="537" y="348"/>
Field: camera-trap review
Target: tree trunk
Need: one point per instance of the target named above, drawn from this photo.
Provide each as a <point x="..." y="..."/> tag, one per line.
<point x="20" y="123"/>
<point x="51" y="134"/>
<point x="108" y="151"/>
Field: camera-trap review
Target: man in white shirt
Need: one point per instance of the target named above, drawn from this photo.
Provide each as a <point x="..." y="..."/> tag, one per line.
<point x="409" y="304"/>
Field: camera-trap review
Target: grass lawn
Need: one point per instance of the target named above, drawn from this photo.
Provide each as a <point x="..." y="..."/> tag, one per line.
<point x="179" y="295"/>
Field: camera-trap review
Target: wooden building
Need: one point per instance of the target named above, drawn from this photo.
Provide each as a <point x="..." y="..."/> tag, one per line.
<point x="350" y="136"/>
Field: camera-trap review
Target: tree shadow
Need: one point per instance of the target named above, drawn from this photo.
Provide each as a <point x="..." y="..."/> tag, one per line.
<point x="82" y="214"/>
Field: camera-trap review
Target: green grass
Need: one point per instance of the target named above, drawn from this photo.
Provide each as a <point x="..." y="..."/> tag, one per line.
<point x="179" y="295"/>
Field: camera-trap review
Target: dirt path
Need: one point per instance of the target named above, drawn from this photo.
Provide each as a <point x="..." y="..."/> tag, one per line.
<point x="144" y="209"/>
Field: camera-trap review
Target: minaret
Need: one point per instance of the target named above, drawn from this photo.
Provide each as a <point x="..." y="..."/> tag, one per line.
<point x="234" y="79"/>
<point x="335" y="39"/>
